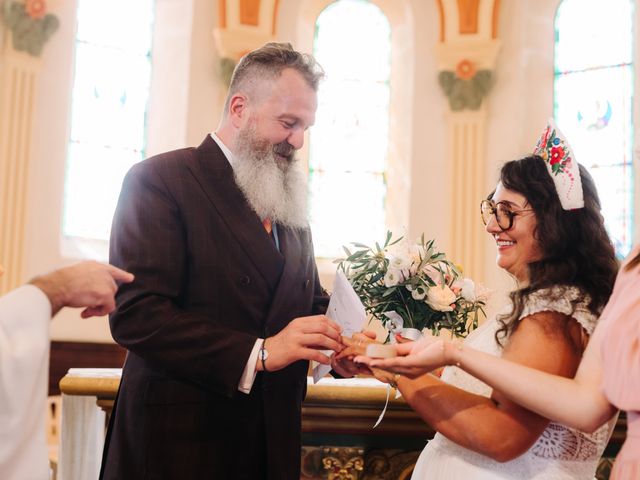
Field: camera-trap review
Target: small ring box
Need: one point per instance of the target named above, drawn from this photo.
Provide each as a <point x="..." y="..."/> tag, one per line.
<point x="375" y="350"/>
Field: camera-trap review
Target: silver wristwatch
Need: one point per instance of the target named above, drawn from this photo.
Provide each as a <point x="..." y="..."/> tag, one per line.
<point x="264" y="354"/>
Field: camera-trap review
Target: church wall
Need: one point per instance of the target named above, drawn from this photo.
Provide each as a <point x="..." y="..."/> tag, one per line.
<point x="521" y="100"/>
<point x="187" y="95"/>
<point x="184" y="105"/>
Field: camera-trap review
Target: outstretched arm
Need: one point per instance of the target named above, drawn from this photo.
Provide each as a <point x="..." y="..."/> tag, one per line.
<point x="496" y="426"/>
<point x="88" y="284"/>
<point x="25" y="315"/>
<point x="577" y="402"/>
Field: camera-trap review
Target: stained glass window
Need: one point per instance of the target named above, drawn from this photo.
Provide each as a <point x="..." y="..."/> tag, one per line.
<point x="108" y="110"/>
<point x="594" y="101"/>
<point x="348" y="144"/>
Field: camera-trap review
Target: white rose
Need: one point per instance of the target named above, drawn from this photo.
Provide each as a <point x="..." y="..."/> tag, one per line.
<point x="436" y="271"/>
<point x="399" y="259"/>
<point x="417" y="253"/>
<point x="468" y="290"/>
<point x="440" y="298"/>
<point x="392" y="278"/>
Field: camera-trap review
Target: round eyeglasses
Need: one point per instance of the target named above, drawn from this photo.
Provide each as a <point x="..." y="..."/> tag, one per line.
<point x="501" y="211"/>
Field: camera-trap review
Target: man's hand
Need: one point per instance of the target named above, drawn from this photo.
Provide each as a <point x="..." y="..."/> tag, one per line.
<point x="85" y="284"/>
<point x="302" y="339"/>
<point x="343" y="363"/>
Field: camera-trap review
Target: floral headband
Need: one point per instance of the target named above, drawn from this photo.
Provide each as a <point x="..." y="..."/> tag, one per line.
<point x="562" y="166"/>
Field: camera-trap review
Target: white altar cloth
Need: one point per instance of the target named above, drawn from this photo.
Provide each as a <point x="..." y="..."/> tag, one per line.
<point x="83" y="428"/>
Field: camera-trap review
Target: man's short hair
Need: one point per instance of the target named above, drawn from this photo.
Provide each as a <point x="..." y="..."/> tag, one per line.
<point x="268" y="62"/>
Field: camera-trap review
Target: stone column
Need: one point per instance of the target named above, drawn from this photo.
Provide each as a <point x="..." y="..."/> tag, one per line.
<point x="18" y="79"/>
<point x="25" y="30"/>
<point x="466" y="56"/>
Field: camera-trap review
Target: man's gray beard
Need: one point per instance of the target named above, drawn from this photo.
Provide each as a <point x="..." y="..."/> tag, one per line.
<point x="272" y="193"/>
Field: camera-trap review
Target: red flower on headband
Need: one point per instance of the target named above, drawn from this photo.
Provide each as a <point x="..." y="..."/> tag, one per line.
<point x="36" y="8"/>
<point x="557" y="154"/>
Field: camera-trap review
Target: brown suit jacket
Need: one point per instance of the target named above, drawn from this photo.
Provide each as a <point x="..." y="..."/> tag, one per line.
<point x="209" y="282"/>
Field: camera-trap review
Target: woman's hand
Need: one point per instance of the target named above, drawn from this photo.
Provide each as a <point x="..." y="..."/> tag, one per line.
<point x="356" y="344"/>
<point x="414" y="358"/>
<point x="343" y="363"/>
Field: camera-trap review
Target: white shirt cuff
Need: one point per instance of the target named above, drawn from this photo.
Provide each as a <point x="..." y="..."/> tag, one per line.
<point x="249" y="374"/>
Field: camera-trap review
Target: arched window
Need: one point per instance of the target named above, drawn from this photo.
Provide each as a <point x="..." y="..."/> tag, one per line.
<point x="108" y="112"/>
<point x="349" y="142"/>
<point x="593" y="101"/>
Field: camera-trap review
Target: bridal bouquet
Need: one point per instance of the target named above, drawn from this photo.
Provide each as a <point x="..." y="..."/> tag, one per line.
<point x="412" y="286"/>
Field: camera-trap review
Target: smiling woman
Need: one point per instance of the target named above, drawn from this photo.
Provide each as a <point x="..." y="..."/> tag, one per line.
<point x="513" y="230"/>
<point x="551" y="245"/>
<point x="564" y="265"/>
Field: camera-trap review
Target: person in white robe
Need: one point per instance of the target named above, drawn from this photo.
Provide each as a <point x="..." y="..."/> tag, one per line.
<point x="25" y="314"/>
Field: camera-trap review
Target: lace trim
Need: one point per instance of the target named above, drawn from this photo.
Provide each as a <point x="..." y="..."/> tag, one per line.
<point x="559" y="299"/>
<point x="560" y="442"/>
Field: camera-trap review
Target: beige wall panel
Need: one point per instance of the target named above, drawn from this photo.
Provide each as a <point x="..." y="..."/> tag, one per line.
<point x="186" y="98"/>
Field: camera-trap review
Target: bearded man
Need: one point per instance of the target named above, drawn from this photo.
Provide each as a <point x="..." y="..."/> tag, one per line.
<point x="226" y="308"/>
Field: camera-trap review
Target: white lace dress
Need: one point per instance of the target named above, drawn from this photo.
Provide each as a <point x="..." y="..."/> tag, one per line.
<point x="560" y="453"/>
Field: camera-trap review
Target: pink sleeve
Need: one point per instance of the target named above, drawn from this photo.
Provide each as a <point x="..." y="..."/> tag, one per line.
<point x="621" y="342"/>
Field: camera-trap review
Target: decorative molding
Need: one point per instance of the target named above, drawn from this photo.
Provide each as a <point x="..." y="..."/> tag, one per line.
<point x="442" y="21"/>
<point x="494" y="19"/>
<point x="467" y="55"/>
<point x="29" y="24"/>
<point x="250" y="12"/>
<point x="389" y="464"/>
<point x="274" y="20"/>
<point x="222" y="14"/>
<point x="468" y="16"/>
<point x="466" y="157"/>
<point x="466" y="87"/>
<point x="462" y="20"/>
<point x="244" y="25"/>
<point x="466" y="72"/>
<point x="343" y="463"/>
<point x="18" y="80"/>
<point x="482" y="53"/>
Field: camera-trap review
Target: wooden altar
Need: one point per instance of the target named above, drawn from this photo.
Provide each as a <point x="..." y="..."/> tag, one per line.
<point x="339" y="440"/>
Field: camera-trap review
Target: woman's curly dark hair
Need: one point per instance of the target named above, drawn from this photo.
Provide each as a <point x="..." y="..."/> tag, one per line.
<point x="576" y="249"/>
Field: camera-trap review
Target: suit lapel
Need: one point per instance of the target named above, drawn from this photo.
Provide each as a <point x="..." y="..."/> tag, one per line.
<point x="213" y="172"/>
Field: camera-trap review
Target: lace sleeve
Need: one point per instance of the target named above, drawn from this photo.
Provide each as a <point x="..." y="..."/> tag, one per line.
<point x="566" y="300"/>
